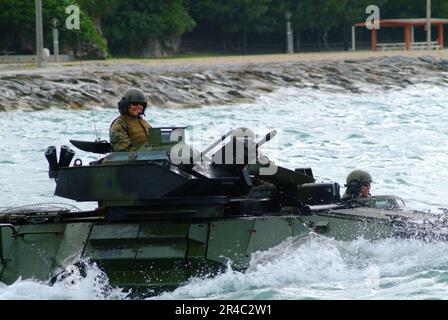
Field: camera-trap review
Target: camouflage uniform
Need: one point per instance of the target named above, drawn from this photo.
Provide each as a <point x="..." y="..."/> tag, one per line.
<point x="128" y="133"/>
<point x="348" y="196"/>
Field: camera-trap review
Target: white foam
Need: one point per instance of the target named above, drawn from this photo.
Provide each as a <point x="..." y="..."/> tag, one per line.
<point x="323" y="268"/>
<point x="93" y="285"/>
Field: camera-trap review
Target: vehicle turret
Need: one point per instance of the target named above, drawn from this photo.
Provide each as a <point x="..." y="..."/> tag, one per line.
<point x="168" y="176"/>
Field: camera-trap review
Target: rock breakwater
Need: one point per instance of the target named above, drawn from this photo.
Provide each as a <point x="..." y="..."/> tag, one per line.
<point x="194" y="86"/>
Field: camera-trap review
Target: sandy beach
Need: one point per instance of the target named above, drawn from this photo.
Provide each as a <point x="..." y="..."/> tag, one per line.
<point x="201" y="62"/>
<point x="297" y="57"/>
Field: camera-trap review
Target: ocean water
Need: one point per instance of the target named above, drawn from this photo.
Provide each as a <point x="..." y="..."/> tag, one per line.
<point x="400" y="137"/>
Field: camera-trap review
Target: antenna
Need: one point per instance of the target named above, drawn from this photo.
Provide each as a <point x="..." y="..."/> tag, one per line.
<point x="84" y="74"/>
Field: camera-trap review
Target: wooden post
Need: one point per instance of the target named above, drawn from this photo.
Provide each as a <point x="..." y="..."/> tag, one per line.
<point x="440" y="35"/>
<point x="407" y="37"/>
<point x="374" y="39"/>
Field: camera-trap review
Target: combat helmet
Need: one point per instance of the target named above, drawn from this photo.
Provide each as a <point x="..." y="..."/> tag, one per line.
<point x="132" y="95"/>
<point x="356" y="179"/>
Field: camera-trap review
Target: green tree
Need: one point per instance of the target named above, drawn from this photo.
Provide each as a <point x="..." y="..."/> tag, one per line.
<point x="18" y="28"/>
<point x="150" y="28"/>
<point x="97" y="9"/>
<point x="413" y="9"/>
<point x="233" y="18"/>
<point x="337" y="15"/>
<point x="310" y="17"/>
<point x="355" y="11"/>
<point x="17" y="25"/>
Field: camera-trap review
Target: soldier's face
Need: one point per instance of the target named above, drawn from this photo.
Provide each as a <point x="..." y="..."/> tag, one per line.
<point x="135" y="109"/>
<point x="365" y="190"/>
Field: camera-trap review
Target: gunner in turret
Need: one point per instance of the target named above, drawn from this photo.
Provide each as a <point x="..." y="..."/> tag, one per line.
<point x="130" y="131"/>
<point x="358" y="185"/>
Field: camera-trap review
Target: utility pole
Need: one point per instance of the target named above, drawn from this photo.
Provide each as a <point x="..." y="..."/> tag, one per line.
<point x="39" y="34"/>
<point x="428" y="23"/>
<point x="353" y="38"/>
<point x="55" y="39"/>
<point x="289" y="34"/>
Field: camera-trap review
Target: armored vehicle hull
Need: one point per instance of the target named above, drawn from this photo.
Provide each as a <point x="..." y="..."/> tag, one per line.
<point x="148" y="257"/>
<point x="160" y="222"/>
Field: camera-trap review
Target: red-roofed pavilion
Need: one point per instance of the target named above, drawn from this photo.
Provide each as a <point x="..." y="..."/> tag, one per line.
<point x="408" y="25"/>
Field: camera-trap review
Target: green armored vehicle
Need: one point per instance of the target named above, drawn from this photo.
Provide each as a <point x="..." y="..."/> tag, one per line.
<point x="167" y="213"/>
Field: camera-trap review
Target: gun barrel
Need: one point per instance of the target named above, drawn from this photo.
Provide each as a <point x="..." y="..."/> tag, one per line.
<point x="267" y="138"/>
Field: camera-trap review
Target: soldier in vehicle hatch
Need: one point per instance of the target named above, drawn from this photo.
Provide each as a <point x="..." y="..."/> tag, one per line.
<point x="358" y="185"/>
<point x="129" y="131"/>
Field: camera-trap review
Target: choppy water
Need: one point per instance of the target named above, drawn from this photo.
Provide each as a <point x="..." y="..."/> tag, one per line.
<point x="401" y="137"/>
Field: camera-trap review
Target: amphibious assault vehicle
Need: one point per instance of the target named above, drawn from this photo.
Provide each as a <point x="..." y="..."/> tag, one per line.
<point x="167" y="213"/>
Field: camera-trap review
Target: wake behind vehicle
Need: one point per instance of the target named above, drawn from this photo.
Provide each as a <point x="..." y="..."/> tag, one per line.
<point x="167" y="212"/>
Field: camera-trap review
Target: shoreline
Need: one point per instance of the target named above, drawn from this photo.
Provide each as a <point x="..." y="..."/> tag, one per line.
<point x="194" y="82"/>
<point x="223" y="61"/>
